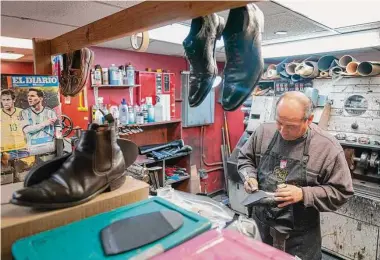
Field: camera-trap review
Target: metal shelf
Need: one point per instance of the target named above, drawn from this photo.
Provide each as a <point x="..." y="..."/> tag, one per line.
<point x="173" y="121"/>
<point x="114" y="86"/>
<point x="151" y="161"/>
<point x="170" y="182"/>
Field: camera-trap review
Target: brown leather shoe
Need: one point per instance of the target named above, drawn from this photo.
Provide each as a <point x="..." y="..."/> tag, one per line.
<point x="76" y="71"/>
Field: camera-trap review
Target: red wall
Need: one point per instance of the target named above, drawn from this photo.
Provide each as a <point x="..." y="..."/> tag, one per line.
<point x="213" y="137"/>
<point x="8" y="67"/>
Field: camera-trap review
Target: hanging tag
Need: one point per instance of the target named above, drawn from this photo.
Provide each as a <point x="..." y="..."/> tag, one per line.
<point x="283" y="164"/>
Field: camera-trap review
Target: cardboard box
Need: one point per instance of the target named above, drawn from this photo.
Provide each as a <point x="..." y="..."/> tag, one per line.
<point x="18" y="222"/>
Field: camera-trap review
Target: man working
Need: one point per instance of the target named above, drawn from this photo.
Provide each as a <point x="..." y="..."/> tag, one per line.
<point x="12" y="137"/>
<point x="306" y="169"/>
<point x="39" y="123"/>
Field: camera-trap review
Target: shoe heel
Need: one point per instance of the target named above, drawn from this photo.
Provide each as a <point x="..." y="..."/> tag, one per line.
<point x="117" y="183"/>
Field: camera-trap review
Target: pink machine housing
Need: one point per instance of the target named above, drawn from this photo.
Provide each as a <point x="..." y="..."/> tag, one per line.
<point x="226" y="244"/>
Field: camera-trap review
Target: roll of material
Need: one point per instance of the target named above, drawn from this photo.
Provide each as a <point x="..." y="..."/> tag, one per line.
<point x="303" y="69"/>
<point x="335" y="71"/>
<point x="290" y="68"/>
<point x="345" y="60"/>
<point x="307" y="69"/>
<point x="272" y="72"/>
<point x="369" y="68"/>
<point x="281" y="66"/>
<point x="352" y="68"/>
<point x="326" y="62"/>
<point x="296" y="78"/>
<point x="324" y="74"/>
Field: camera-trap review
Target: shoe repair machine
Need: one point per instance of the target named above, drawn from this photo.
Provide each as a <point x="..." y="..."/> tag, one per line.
<point x="349" y="109"/>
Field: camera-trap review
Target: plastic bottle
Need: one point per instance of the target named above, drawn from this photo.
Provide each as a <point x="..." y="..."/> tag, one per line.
<point x="131" y="115"/>
<point x="136" y="109"/>
<point x="114" y="111"/>
<point x="140" y="118"/>
<point x="150" y="109"/>
<point x="158" y="111"/>
<point x="99" y="118"/>
<point x="98" y="75"/>
<point x="114" y="75"/>
<point x="144" y="111"/>
<point x="105" y="77"/>
<point x="130" y="71"/>
<point x="122" y="74"/>
<point x="123" y="112"/>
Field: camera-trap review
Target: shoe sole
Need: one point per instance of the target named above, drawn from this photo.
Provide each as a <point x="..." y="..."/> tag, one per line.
<point x="113" y="185"/>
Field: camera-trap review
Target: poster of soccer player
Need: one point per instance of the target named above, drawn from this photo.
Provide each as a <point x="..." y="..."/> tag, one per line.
<point x="31" y="114"/>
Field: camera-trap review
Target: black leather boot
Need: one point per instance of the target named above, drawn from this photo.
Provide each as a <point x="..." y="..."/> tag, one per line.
<point x="96" y="165"/>
<point x="199" y="47"/>
<point x="244" y="63"/>
<point x="46" y="169"/>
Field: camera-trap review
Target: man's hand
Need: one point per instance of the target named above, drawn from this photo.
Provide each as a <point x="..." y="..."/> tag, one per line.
<point x="288" y="194"/>
<point x="250" y="185"/>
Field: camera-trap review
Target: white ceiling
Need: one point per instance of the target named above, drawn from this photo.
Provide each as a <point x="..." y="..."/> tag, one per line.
<point x="49" y="19"/>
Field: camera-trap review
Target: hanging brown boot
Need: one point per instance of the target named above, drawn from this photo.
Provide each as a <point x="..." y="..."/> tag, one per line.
<point x="76" y="71"/>
<point x="96" y="165"/>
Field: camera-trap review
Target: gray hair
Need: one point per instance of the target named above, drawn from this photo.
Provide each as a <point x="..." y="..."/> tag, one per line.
<point x="302" y="99"/>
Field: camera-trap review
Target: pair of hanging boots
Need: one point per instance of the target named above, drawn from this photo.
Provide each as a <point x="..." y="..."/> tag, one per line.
<point x="96" y="165"/>
<point x="244" y="62"/>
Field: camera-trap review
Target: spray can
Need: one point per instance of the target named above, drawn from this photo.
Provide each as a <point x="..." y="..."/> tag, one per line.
<point x="98" y="75"/>
<point x="105" y="76"/>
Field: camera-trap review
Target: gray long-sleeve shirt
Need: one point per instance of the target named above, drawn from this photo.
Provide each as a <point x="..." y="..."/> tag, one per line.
<point x="328" y="176"/>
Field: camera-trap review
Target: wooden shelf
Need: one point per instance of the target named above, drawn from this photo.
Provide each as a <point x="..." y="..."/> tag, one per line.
<point x="169" y="182"/>
<point x="154" y="123"/>
<point x="114" y="86"/>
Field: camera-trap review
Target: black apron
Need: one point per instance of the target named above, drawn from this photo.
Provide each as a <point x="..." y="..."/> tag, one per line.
<point x="301" y="223"/>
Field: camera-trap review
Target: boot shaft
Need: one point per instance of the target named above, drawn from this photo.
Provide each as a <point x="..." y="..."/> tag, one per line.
<point x="99" y="143"/>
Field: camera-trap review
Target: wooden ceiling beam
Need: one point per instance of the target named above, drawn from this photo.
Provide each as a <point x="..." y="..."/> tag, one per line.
<point x="139" y="18"/>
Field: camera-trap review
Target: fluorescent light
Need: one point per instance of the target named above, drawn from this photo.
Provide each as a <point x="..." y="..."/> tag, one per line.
<point x="16" y="42"/>
<point x="281" y="32"/>
<point x="174" y="33"/>
<point x="336" y="13"/>
<point x="341" y="42"/>
<point x="10" y="56"/>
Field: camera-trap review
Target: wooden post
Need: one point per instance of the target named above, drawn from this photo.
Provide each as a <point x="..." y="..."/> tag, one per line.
<point x="42" y="56"/>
